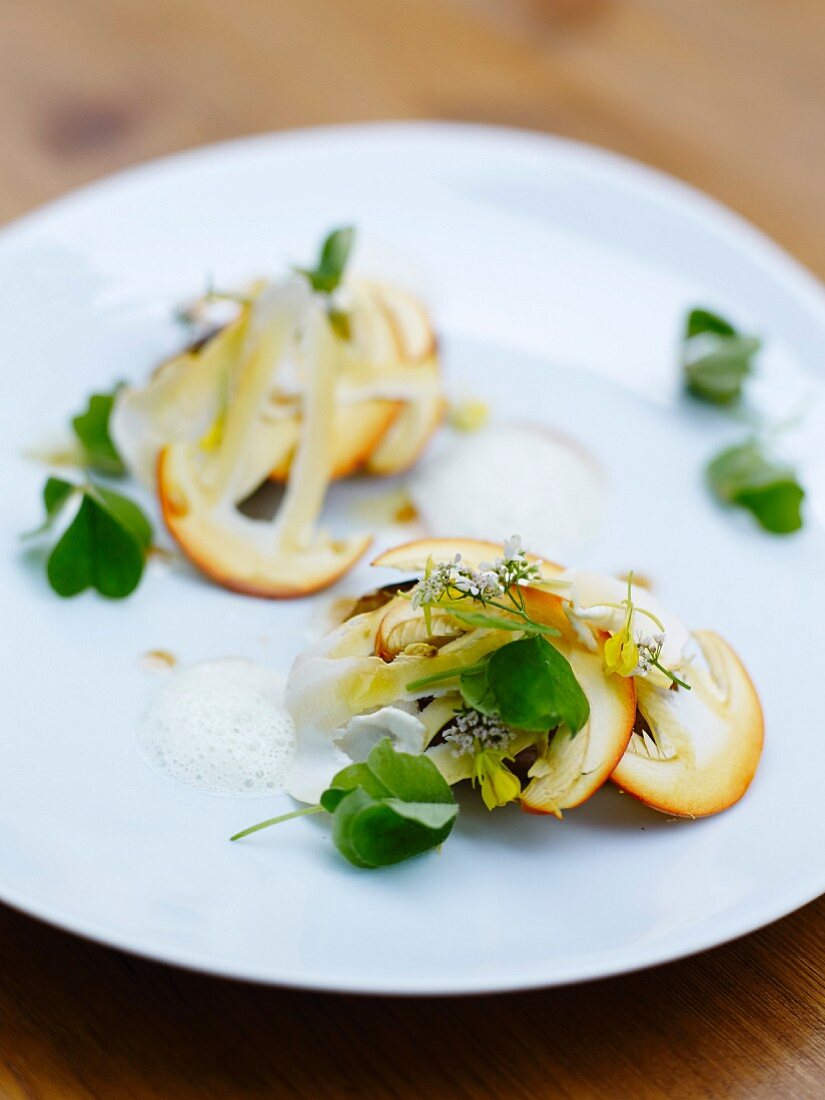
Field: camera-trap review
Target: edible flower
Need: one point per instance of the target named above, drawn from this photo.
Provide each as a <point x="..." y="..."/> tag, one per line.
<point x="626" y="657"/>
<point x="498" y="784"/>
<point x="621" y="654"/>
<point x="449" y="582"/>
<point x="472" y="732"/>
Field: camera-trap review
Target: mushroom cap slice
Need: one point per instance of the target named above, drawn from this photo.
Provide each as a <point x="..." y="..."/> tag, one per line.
<point x="594" y="605"/>
<point x="422" y="413"/>
<point x="389" y="386"/>
<point x="357" y="430"/>
<point x="573" y="767"/>
<point x="198" y="487"/>
<point x="406" y="438"/>
<point x="706" y="742"/>
<point x="403" y="625"/>
<point x="412" y="557"/>
<point x="408" y="319"/>
<point x="240" y="553"/>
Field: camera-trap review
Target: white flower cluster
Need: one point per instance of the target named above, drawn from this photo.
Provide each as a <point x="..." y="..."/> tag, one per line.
<point x="490" y="581"/>
<point x="444" y="579"/>
<point x="650" y="648"/>
<point x="513" y="567"/>
<point x="474" y="731"/>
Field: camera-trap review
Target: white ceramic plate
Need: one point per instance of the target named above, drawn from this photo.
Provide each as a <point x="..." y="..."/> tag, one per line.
<point x="559" y="276"/>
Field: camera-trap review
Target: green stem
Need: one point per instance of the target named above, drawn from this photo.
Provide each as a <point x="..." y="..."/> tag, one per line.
<point x="670" y="675"/>
<point x="277" y="820"/>
<point x="447" y="674"/>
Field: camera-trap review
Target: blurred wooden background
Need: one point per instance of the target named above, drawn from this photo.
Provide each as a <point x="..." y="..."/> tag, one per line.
<point x="728" y="94"/>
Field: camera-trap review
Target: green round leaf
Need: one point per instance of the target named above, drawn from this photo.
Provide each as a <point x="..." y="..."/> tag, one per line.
<point x="536" y="688"/>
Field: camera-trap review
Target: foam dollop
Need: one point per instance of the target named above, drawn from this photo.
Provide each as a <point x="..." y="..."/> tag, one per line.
<point x="220" y="726"/>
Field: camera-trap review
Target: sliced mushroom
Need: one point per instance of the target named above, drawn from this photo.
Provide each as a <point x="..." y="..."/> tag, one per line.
<point x="389" y="385"/>
<point x="180" y="403"/>
<point x="424" y="410"/>
<point x="574" y="766"/>
<point x="412" y="557"/>
<point x="357" y="429"/>
<point x="388" y="391"/>
<point x="707" y="741"/>
<point x="408" y="435"/>
<point x="402" y="626"/>
<point x="594" y="604"/>
<point x="199" y="487"/>
<point x="341" y="677"/>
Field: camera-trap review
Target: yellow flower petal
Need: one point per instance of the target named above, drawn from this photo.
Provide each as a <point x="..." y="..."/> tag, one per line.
<point x="621" y="654"/>
<point x="498" y="784"/>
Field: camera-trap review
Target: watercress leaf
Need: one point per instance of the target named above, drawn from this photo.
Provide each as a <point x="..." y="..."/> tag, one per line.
<point x="476" y="691"/>
<point x="124" y="512"/>
<point x="743" y="475"/>
<point x="380" y="835"/>
<point x="487" y="621"/>
<point x="335" y="252"/>
<point x="716" y="359"/>
<point x="777" y="507"/>
<point x="432" y="815"/>
<point x="92" y="429"/>
<point x="96" y="551"/>
<point x="354" y="775"/>
<point x="535" y="687"/>
<point x="702" y="320"/>
<point x="332" y="796"/>
<point x="343" y="819"/>
<point x="69" y="567"/>
<point x="56" y="492"/>
<point x="407" y="777"/>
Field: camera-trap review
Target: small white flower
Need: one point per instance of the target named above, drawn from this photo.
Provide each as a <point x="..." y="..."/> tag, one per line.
<point x="473" y="731"/>
<point x="513" y="548"/>
<point x="489" y="583"/>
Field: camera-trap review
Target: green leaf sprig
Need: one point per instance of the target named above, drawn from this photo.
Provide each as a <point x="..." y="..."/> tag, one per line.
<point x="105" y="545"/>
<point x="335" y="252"/>
<point x="716" y="359"/>
<point x="744" y="475"/>
<point x="92" y="430"/>
<point x="389" y="808"/>
<point x="327" y="274"/>
<point x="527" y="684"/>
<point x="716" y="363"/>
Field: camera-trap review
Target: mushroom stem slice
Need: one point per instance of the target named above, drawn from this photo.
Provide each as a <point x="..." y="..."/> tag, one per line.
<point x="198" y="489"/>
<point x="179" y="403"/>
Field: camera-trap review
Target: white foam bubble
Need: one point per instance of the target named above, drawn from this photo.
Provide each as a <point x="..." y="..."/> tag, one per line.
<point x="220" y="726"/>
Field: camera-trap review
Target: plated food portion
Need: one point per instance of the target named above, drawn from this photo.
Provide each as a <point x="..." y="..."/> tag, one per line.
<point x="315" y="378"/>
<point x="535" y="683"/>
<point x="297" y="381"/>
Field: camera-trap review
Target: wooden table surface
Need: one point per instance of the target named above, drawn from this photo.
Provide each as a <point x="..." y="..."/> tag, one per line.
<point x="728" y="94"/>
